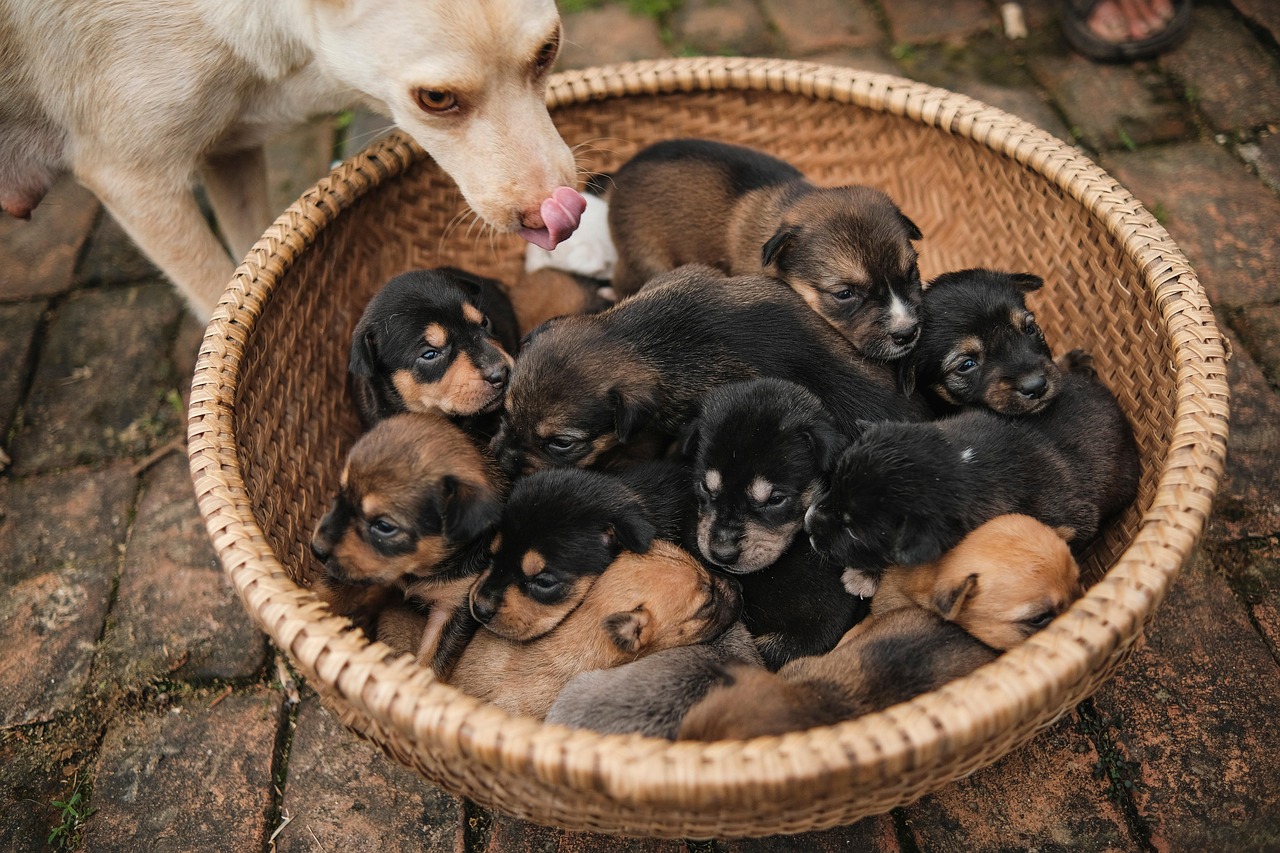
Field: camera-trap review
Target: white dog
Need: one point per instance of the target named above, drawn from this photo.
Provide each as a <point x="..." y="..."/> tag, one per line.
<point x="138" y="98"/>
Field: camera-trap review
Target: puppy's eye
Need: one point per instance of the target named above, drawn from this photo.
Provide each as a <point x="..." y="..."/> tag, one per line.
<point x="485" y="322"/>
<point x="844" y="295"/>
<point x="562" y="443"/>
<point x="966" y="366"/>
<point x="383" y="527"/>
<point x="436" y="100"/>
<point x="427" y="356"/>
<point x="1038" y="621"/>
<point x="1031" y="327"/>
<point x="777" y="500"/>
<point x="544" y="583"/>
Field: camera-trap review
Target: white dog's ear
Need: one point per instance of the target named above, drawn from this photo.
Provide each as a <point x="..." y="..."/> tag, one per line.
<point x="630" y="630"/>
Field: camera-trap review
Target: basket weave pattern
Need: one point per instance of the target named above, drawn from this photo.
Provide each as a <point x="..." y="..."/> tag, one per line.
<point x="270" y="420"/>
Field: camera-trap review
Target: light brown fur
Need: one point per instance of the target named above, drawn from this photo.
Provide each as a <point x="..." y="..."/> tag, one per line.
<point x="540" y="295"/>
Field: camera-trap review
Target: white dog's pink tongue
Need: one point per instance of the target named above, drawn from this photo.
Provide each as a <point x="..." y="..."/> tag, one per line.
<point x="560" y="216"/>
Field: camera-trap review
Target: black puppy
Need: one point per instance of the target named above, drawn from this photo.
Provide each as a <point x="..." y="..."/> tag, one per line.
<point x="981" y="345"/>
<point x="438" y="340"/>
<point x="905" y="493"/>
<point x="586" y="387"/>
<point x="560" y="529"/>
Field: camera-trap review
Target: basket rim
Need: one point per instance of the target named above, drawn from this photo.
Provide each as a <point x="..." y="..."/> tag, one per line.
<point x="1030" y="682"/>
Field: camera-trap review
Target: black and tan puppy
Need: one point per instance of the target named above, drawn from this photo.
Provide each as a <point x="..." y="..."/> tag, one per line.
<point x="643" y="604"/>
<point x="584" y="388"/>
<point x="560" y="529"/>
<point x="903" y="494"/>
<point x="439" y="340"/>
<point x="846" y="250"/>
<point x="415" y="500"/>
<point x="981" y="346"/>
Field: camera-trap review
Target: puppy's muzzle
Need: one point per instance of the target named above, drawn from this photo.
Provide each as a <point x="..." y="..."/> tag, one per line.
<point x="725" y="546"/>
<point x="1033" y="386"/>
<point x="497" y="376"/>
<point x="906" y="336"/>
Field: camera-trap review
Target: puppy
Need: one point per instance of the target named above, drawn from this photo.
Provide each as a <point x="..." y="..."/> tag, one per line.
<point x="650" y="696"/>
<point x="643" y="603"/>
<point x="1025" y="576"/>
<point x="586" y="387"/>
<point x="904" y="494"/>
<point x="846" y="250"/>
<point x="167" y="91"/>
<point x="434" y="341"/>
<point x="980" y="345"/>
<point x="546" y="293"/>
<point x="892" y="658"/>
<point x="560" y="529"/>
<point x="415" y="501"/>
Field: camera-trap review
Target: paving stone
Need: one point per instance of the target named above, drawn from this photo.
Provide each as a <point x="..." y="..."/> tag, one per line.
<point x="1263" y="156"/>
<point x="1218" y="62"/>
<point x="185" y="352"/>
<point x="508" y="835"/>
<point x="196" y="776"/>
<point x="722" y="28"/>
<point x="296" y="160"/>
<point x="610" y="33"/>
<point x="986" y="70"/>
<point x="872" y="835"/>
<point x="1247" y="504"/>
<point x="176" y="614"/>
<point x="40" y="764"/>
<point x="18" y="325"/>
<point x="1192" y="713"/>
<point x="112" y="258"/>
<point x="915" y="21"/>
<point x="862" y="58"/>
<point x="104" y="387"/>
<point x="1043" y="796"/>
<point x="810" y="26"/>
<point x="38" y="257"/>
<point x="1259" y="327"/>
<point x="1222" y="217"/>
<point x="60" y="537"/>
<point x="343" y="794"/>
<point x="1107" y="106"/>
<point x="1260" y="13"/>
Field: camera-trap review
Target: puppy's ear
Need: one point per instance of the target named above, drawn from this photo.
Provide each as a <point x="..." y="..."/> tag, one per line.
<point x="630" y="630"/>
<point x="774" y="245"/>
<point x="687" y="442"/>
<point x="1026" y="281"/>
<point x="907" y="374"/>
<point x="950" y="602"/>
<point x="631" y="530"/>
<point x="632" y="410"/>
<point x="913" y="231"/>
<point x="469" y="509"/>
<point x="826" y="443"/>
<point x="364" y="352"/>
<point x="918" y="543"/>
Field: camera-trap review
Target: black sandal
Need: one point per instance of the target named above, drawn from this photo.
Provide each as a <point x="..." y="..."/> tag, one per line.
<point x="1075" y="25"/>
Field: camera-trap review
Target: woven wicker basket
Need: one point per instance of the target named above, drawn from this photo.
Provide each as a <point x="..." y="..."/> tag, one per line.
<point x="270" y="422"/>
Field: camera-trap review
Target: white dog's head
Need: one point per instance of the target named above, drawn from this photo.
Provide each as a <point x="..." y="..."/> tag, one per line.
<point x="467" y="80"/>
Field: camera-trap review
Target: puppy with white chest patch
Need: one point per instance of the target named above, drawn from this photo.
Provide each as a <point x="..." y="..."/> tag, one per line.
<point x="846" y="250"/>
<point x="415" y="502"/>
<point x="438" y="340"/>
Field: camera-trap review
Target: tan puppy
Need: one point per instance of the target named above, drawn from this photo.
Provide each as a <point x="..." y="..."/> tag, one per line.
<point x="137" y="98"/>
<point x="643" y="603"/>
<point x="546" y="293"/>
<point x="1024" y="572"/>
<point x="846" y="250"/>
<point x="415" y="501"/>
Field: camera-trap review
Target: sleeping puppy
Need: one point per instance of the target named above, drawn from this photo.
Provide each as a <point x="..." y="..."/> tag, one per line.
<point x="437" y="340"/>
<point x="892" y="658"/>
<point x="903" y="494"/>
<point x="846" y="250"/>
<point x="560" y="529"/>
<point x="546" y="293"/>
<point x="650" y="696"/>
<point x="980" y="345"/>
<point x="1024" y="572"/>
<point x="584" y="388"/>
<point x="415" y="501"/>
<point x="642" y="604"/>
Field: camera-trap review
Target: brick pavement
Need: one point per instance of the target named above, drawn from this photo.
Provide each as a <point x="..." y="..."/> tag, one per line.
<point x="132" y="677"/>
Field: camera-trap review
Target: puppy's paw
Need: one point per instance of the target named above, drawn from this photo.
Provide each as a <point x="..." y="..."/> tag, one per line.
<point x="1076" y="361"/>
<point x="860" y="583"/>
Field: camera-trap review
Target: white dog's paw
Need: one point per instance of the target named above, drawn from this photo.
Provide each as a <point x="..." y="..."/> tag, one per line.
<point x="860" y="583"/>
<point x="588" y="251"/>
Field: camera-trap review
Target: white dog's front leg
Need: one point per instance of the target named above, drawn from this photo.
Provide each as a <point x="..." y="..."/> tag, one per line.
<point x="166" y="223"/>
<point x="237" y="187"/>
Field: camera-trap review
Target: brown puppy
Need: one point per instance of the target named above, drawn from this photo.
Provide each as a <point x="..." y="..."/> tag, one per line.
<point x="586" y="389"/>
<point x="846" y="250"/>
<point x="415" y="501"/>
<point x="546" y="293"/>
<point x="641" y="604"/>
<point x="1025" y="576"/>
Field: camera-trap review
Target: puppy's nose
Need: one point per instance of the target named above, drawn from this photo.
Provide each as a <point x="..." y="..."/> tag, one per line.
<point x="1033" y="386"/>
<point x="320" y="548"/>
<point x="481" y="609"/>
<point x="724" y="547"/>
<point x="497" y="375"/>
<point x="902" y="337"/>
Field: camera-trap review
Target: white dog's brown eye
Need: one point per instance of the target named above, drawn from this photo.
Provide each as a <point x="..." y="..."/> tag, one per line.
<point x="436" y="100"/>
